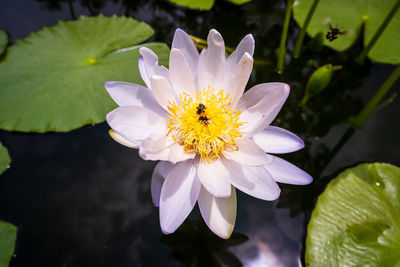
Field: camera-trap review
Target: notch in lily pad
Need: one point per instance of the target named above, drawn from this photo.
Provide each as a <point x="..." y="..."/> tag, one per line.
<point x="53" y="80"/>
<point x="356" y="219"/>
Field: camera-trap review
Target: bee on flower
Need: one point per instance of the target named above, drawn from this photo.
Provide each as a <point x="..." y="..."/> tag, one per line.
<point x="210" y="138"/>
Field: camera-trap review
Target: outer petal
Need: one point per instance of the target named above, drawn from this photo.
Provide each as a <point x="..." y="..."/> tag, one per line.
<point x="239" y="78"/>
<point x="162" y="169"/>
<point x="285" y="172"/>
<point x="260" y="105"/>
<point x="148" y="66"/>
<point x="215" y="178"/>
<point x="179" y="194"/>
<point x="248" y="153"/>
<point x="246" y="45"/>
<point x="162" y="147"/>
<point x="253" y="180"/>
<point x="162" y="90"/>
<point x="129" y="94"/>
<point x="135" y="124"/>
<point x="211" y="67"/>
<point x="120" y="139"/>
<point x="218" y="213"/>
<point x="278" y="140"/>
<point x="181" y="75"/>
<point x="183" y="42"/>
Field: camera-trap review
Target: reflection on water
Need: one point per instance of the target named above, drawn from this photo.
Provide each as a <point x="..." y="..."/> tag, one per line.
<point x="80" y="199"/>
<point x="193" y="244"/>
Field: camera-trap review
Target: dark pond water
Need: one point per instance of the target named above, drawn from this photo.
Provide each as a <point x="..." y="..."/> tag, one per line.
<point x="81" y="199"/>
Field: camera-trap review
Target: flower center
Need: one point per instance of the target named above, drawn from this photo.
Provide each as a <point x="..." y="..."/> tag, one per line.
<point x="203" y="123"/>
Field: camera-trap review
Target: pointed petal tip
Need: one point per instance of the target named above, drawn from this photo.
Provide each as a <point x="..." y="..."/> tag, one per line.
<point x="224" y="235"/>
<point x="165" y="232"/>
<point x="107" y="84"/>
<point x="179" y="31"/>
<point x="144" y="49"/>
<point x="307" y="179"/>
<point x="287" y="88"/>
<point x="156" y="203"/>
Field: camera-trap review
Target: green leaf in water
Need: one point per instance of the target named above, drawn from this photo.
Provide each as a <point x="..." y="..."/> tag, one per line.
<point x="4" y="158"/>
<point x="356" y="221"/>
<point x="3" y="41"/>
<point x="53" y="80"/>
<point x="350" y="16"/>
<point x="8" y="234"/>
<point x="203" y="4"/>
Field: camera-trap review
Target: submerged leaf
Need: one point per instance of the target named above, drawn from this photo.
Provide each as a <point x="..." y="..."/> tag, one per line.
<point x="356" y="221"/>
<point x="349" y="16"/>
<point x="4" y="158"/>
<point x="203" y="4"/>
<point x="8" y="234"/>
<point x="53" y="80"/>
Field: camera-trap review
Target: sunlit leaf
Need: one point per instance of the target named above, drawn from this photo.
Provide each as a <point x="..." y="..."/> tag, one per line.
<point x="53" y="80"/>
<point x="4" y="158"/>
<point x="8" y="234"/>
<point x="203" y="4"/>
<point x="349" y="16"/>
<point x="356" y="221"/>
<point x="3" y="41"/>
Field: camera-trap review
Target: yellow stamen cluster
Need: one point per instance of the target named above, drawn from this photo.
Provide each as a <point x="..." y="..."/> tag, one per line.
<point x="203" y="123"/>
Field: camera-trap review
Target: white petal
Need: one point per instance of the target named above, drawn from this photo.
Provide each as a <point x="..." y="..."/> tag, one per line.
<point x="211" y="67"/>
<point x="162" y="147"/>
<point x="285" y="172"/>
<point x="239" y="78"/>
<point x="135" y="124"/>
<point x="260" y="105"/>
<point x="129" y="94"/>
<point x="143" y="71"/>
<point x="278" y="140"/>
<point x="117" y="137"/>
<point x="183" y="42"/>
<point x="179" y="194"/>
<point x="246" y="45"/>
<point x="148" y="66"/>
<point x="162" y="169"/>
<point x="253" y="180"/>
<point x="218" y="213"/>
<point x="248" y="153"/>
<point x="181" y="75"/>
<point x="215" y="178"/>
<point x="162" y="90"/>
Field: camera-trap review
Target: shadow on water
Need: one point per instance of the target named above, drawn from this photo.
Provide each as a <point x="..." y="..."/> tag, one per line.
<point x="80" y="199"/>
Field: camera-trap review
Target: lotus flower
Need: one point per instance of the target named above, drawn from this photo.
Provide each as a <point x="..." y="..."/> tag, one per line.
<point x="210" y="138"/>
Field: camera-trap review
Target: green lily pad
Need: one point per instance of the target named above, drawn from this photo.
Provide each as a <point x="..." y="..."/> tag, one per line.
<point x="8" y="234"/>
<point x="356" y="221"/>
<point x="203" y="4"/>
<point x="53" y="80"/>
<point x="4" y="158"/>
<point x="350" y="16"/>
<point x="3" y="41"/>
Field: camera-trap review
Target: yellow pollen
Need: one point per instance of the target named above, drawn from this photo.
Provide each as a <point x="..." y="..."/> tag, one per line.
<point x="204" y="124"/>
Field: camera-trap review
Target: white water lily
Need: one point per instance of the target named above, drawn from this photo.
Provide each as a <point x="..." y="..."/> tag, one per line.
<point x="210" y="138"/>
